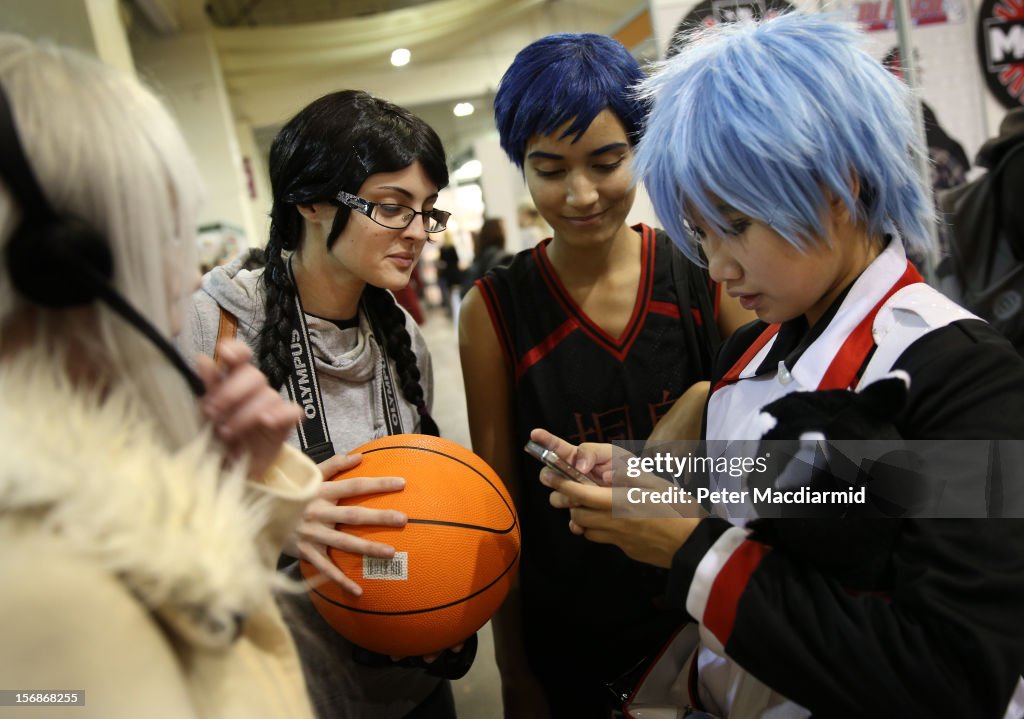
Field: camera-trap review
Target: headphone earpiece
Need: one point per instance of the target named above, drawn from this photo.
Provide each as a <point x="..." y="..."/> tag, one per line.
<point x="58" y="262"/>
<point x="54" y="260"/>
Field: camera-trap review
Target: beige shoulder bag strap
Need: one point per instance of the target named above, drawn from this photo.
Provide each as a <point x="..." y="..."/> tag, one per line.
<point x="227" y="327"/>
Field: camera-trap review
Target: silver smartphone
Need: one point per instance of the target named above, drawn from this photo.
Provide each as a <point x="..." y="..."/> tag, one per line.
<point x="556" y="463"/>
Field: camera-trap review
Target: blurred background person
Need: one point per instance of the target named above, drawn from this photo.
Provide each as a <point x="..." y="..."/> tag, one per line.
<point x="489" y="250"/>
<point x="411" y="296"/>
<point x="449" y="276"/>
<point x="983" y="234"/>
<point x="532" y="228"/>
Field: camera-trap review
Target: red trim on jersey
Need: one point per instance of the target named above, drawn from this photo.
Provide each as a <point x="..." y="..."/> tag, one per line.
<point x="732" y="578"/>
<point x="842" y="373"/>
<point x="546" y="345"/>
<point x="734" y="372"/>
<point x="497" y="320"/>
<point x="664" y="308"/>
<point x="620" y="347"/>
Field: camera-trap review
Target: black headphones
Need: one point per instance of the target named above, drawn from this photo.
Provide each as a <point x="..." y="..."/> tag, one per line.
<point x="57" y="260"/>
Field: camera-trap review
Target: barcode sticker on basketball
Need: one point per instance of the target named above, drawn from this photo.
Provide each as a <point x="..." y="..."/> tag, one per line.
<point x="395" y="568"/>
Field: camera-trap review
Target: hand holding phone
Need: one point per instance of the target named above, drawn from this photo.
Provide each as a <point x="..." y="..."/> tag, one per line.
<point x="553" y="461"/>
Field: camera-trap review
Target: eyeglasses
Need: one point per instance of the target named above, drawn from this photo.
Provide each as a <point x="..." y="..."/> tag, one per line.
<point x="395" y="217"/>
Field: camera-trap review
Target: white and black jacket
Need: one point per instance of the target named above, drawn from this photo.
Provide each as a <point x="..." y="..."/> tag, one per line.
<point x="881" y="618"/>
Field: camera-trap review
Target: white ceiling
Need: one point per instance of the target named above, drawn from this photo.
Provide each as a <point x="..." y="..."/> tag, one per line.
<point x="440" y="74"/>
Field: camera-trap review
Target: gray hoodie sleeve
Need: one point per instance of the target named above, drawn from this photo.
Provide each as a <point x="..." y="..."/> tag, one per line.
<point x="203" y="319"/>
<point x="237" y="291"/>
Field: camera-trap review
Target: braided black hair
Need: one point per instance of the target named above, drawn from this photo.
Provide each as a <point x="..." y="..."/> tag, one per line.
<point x="333" y="145"/>
<point x="391" y="319"/>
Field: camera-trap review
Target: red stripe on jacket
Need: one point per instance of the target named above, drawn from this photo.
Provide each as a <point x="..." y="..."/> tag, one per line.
<point x="732" y="578"/>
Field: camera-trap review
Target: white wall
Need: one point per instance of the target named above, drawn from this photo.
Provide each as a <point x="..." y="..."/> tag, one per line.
<point x="185" y="71"/>
<point x="643" y="210"/>
<point x="257" y="180"/>
<point x="503" y="187"/>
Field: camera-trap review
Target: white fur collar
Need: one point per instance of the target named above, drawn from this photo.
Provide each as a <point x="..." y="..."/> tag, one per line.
<point x="177" y="531"/>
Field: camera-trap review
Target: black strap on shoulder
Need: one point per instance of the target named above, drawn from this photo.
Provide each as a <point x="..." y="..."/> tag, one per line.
<point x="304" y="389"/>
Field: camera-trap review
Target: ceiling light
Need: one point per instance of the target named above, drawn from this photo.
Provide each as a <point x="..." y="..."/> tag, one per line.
<point x="400" y="57"/>
<point x="470" y="170"/>
<point x="463" y="109"/>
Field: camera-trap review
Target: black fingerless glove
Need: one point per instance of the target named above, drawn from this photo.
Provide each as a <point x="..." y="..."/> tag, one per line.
<point x="836" y="440"/>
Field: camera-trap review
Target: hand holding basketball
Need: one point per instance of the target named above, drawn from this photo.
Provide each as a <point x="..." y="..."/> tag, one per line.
<point x="318" y="528"/>
<point x="250" y="418"/>
<point x="455" y="557"/>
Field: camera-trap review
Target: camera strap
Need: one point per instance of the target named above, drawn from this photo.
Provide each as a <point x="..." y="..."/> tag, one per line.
<point x="303" y="387"/>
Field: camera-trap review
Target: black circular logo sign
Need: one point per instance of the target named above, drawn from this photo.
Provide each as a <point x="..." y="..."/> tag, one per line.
<point x="712" y="12"/>
<point x="1001" y="49"/>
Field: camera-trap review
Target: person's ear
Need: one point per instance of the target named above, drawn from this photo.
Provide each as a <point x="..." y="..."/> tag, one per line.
<point x="316" y="212"/>
<point x="837" y="209"/>
<point x="854" y="187"/>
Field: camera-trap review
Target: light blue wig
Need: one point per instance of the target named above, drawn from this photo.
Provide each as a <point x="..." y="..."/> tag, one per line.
<point x="563" y="77"/>
<point x="768" y="118"/>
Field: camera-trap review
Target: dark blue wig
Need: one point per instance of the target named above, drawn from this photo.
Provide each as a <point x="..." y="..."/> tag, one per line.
<point x="566" y="77"/>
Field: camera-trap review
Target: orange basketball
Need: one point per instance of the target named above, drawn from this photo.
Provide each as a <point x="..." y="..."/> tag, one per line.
<point x="454" y="560"/>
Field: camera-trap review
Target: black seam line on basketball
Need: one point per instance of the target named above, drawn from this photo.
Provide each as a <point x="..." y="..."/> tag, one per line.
<point x="455" y="459"/>
<point x="462" y="526"/>
<point x="421" y="611"/>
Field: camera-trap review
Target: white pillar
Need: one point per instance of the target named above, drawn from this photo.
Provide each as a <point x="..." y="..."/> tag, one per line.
<point x="257" y="183"/>
<point x="185" y="70"/>
<point x="503" y="187"/>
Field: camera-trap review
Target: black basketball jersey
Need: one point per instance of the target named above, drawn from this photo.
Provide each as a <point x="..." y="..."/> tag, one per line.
<point x="572" y="378"/>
